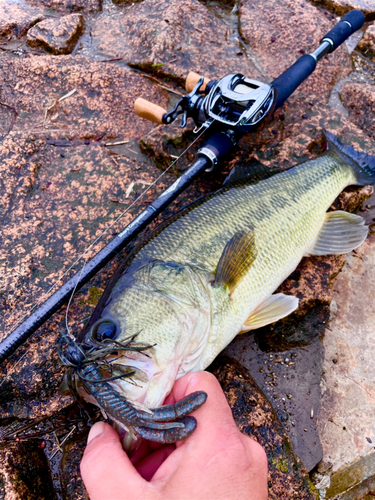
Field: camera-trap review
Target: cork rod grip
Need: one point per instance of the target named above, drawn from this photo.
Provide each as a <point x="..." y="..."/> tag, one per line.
<point x="192" y="79"/>
<point x="148" y="110"/>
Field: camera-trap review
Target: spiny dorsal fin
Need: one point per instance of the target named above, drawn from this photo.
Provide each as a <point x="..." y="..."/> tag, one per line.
<point x="251" y="173"/>
<point x="236" y="260"/>
<point x="341" y="233"/>
<point x="277" y="306"/>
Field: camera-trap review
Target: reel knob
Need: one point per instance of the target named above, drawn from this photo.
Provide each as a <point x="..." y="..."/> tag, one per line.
<point x="192" y="79"/>
<point x="149" y="111"/>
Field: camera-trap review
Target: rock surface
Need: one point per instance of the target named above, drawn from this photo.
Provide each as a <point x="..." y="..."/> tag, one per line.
<point x="269" y="29"/>
<point x="346" y="423"/>
<point x="54" y="155"/>
<point x="255" y="417"/>
<point x="367" y="43"/>
<point x="341" y="7"/>
<point x="58" y="36"/>
<point x="15" y="20"/>
<point x="86" y="6"/>
<point x="359" y="100"/>
<point x="72" y="485"/>
<point x="24" y="479"/>
<point x="167" y="38"/>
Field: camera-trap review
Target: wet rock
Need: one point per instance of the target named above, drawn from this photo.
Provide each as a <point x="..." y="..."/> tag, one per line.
<point x="101" y="106"/>
<point x="167" y="143"/>
<point x="290" y="380"/>
<point x="348" y="400"/>
<point x="301" y="139"/>
<point x="58" y="36"/>
<point x="29" y="387"/>
<point x="24" y="472"/>
<point x="86" y="6"/>
<point x="255" y="417"/>
<point x="172" y="38"/>
<point x="341" y="7"/>
<point x="61" y="177"/>
<point x="71" y="481"/>
<point x="367" y="44"/>
<point x="16" y="20"/>
<point x="359" y="100"/>
<point x="269" y="28"/>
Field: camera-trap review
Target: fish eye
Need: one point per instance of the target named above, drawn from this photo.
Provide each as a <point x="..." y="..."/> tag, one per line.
<point x="104" y="329"/>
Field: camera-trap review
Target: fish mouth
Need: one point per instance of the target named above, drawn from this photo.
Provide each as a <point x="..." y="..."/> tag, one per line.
<point x="166" y="424"/>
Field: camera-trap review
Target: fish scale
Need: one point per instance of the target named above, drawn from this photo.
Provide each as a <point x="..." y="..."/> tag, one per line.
<point x="169" y="294"/>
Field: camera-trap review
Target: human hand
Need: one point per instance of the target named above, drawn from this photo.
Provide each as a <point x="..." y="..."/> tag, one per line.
<point x="215" y="462"/>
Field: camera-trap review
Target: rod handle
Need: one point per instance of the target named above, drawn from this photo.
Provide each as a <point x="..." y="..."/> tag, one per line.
<point x="149" y="111"/>
<point x="192" y="79"/>
<point x="350" y="23"/>
<point x="292" y="78"/>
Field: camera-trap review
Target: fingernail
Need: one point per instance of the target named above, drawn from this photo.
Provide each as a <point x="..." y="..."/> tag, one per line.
<point x="95" y="430"/>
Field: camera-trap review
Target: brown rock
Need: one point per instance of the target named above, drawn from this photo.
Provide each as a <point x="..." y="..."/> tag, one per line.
<point x="359" y="100"/>
<point x="15" y="20"/>
<point x="100" y="107"/>
<point x="367" y="43"/>
<point x="341" y="7"/>
<point x="72" y="484"/>
<point x="269" y="28"/>
<point x="254" y="416"/>
<point x="348" y="398"/>
<point x="167" y="143"/>
<point x="24" y="473"/>
<point x="61" y="187"/>
<point x="86" y="6"/>
<point x="58" y="36"/>
<point x="172" y="38"/>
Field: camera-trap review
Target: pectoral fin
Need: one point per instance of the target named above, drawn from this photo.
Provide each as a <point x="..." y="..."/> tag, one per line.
<point x="272" y="309"/>
<point x="236" y="260"/>
<point x="341" y="233"/>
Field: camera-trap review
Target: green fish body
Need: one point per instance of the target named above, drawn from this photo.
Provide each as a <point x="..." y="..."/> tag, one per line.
<point x="211" y="273"/>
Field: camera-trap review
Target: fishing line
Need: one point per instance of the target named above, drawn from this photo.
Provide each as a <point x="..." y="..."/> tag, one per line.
<point x="45" y="295"/>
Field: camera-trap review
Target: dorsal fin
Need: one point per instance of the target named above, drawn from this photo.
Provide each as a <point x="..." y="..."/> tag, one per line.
<point x="251" y="173"/>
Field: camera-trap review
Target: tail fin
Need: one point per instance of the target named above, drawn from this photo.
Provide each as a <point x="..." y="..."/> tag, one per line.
<point x="362" y="163"/>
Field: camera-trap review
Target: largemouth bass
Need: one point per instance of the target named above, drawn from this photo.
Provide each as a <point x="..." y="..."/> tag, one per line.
<point x="211" y="272"/>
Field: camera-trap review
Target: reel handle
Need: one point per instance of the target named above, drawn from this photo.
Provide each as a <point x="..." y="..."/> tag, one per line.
<point x="192" y="79"/>
<point x="149" y="111"/>
<point x="288" y="81"/>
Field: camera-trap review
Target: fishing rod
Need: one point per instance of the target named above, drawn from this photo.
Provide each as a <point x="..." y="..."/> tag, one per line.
<point x="231" y="107"/>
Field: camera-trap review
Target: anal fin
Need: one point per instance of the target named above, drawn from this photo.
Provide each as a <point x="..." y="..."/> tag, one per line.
<point x="277" y="306"/>
<point x="235" y="261"/>
<point x="341" y="233"/>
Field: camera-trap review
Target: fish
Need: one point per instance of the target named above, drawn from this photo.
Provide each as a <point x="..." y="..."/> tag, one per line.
<point x="210" y="272"/>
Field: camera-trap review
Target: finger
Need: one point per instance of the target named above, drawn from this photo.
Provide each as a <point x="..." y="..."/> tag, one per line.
<point x="216" y="429"/>
<point x="216" y="446"/>
<point x="150" y="464"/>
<point x="215" y="416"/>
<point x="105" y="468"/>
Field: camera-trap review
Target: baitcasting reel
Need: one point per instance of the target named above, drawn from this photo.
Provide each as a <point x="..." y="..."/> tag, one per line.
<point x="236" y="103"/>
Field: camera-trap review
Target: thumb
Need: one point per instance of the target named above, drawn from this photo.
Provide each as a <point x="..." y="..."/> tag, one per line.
<point x="106" y="470"/>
